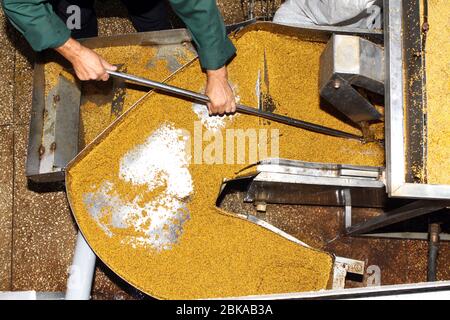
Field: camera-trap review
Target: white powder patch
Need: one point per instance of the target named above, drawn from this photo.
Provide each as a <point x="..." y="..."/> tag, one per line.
<point x="158" y="161"/>
<point x="213" y="123"/>
<point x="161" y="161"/>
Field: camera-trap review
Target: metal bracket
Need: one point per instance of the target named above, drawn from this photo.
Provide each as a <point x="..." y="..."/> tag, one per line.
<point x="349" y="61"/>
<point x="408" y="211"/>
<point x="342" y="266"/>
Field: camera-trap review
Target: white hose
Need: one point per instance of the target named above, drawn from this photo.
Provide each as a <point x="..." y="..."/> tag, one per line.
<point x="81" y="272"/>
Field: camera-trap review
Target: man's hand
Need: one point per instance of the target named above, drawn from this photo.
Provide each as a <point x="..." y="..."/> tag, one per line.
<point x="219" y="92"/>
<point x="87" y="64"/>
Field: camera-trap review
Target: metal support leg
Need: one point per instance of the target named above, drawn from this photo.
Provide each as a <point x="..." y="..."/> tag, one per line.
<point x="81" y="272"/>
<point x="348" y="208"/>
<point x="433" y="249"/>
<point x="409" y="211"/>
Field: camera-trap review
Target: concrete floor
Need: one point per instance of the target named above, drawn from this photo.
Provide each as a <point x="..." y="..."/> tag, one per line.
<point x="37" y="232"/>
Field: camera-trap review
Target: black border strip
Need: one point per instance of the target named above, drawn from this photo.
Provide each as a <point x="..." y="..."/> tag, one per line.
<point x="415" y="95"/>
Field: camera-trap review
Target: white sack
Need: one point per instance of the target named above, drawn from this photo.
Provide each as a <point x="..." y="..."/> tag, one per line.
<point x="355" y="13"/>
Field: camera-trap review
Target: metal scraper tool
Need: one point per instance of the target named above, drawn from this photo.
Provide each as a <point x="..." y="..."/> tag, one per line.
<point x="239" y="108"/>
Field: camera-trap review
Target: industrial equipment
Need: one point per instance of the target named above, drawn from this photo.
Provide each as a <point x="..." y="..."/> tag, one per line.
<point x="350" y="61"/>
<point x="379" y="61"/>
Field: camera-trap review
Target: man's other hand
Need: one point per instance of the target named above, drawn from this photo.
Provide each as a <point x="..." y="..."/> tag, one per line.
<point x="219" y="92"/>
<point x="88" y="65"/>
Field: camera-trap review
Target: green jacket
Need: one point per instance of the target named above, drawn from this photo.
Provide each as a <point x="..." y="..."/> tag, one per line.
<point x="43" y="29"/>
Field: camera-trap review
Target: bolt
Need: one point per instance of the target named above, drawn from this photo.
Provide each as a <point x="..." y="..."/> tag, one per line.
<point x="434" y="231"/>
<point x="261" y="207"/>
<point x="41" y="151"/>
<point x="336" y="84"/>
<point x="357" y="268"/>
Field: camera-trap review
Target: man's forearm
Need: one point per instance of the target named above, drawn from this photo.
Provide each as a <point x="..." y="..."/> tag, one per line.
<point x="70" y="49"/>
<point x="88" y="65"/>
<point x="219" y="73"/>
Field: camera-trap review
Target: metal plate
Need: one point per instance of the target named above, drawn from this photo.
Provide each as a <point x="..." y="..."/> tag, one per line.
<point x="297" y="182"/>
<point x="399" y="158"/>
<point x="53" y="135"/>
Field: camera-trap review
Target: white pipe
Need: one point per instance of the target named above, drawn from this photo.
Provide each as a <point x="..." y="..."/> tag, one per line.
<point x="81" y="272"/>
<point x="18" y="295"/>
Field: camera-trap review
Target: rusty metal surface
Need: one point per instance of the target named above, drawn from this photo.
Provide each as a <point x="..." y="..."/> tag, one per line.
<point x="43" y="230"/>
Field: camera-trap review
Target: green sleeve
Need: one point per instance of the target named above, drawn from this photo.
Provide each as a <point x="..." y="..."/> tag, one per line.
<point x="204" y="21"/>
<point x="38" y="23"/>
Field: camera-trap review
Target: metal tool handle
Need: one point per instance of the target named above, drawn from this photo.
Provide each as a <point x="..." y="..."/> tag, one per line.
<point x="239" y="108"/>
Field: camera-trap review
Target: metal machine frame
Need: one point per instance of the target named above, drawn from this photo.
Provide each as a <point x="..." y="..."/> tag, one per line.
<point x="405" y="127"/>
<point x="398" y="153"/>
<point x="400" y="156"/>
